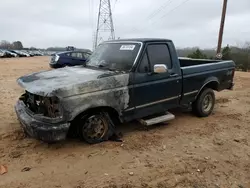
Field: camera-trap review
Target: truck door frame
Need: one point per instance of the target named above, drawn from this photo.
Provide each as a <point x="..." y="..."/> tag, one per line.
<point x="151" y="85"/>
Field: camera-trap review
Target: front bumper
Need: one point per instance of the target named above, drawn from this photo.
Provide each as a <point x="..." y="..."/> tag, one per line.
<point x="45" y="131"/>
<point x="55" y="65"/>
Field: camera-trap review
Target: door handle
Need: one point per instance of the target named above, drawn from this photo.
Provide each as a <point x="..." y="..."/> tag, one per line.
<point x="173" y="75"/>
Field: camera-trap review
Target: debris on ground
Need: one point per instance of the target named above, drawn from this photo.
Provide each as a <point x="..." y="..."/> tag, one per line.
<point x="94" y="154"/>
<point x="131" y="173"/>
<point x="237" y="140"/>
<point x="3" y="169"/>
<point x="164" y="147"/>
<point x="15" y="154"/>
<point x="26" y="169"/>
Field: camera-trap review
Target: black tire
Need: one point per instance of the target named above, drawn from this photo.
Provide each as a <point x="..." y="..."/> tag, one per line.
<point x="204" y="104"/>
<point x="95" y="127"/>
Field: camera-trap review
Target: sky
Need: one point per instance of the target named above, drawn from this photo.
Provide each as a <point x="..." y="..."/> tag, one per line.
<point x="189" y="23"/>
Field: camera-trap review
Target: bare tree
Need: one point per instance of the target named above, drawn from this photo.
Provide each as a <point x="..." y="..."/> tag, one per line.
<point x="5" y="44"/>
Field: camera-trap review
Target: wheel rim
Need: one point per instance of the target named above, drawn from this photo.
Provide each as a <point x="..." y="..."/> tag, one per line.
<point x="95" y="127"/>
<point x="207" y="103"/>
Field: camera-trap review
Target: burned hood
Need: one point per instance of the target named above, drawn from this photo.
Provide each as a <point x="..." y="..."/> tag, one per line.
<point x="71" y="81"/>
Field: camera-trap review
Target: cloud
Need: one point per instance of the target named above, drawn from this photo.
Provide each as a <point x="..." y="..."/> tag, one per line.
<point x="62" y="23"/>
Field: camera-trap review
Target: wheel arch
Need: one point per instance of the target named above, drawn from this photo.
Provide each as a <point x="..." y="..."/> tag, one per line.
<point x="114" y="115"/>
<point x="74" y="123"/>
<point x="212" y="83"/>
<point x="110" y="110"/>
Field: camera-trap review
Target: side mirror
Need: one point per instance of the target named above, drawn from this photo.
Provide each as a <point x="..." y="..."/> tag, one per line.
<point x="160" y="68"/>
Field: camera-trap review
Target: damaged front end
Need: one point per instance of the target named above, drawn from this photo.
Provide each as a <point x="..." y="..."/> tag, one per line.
<point x="46" y="106"/>
<point x="42" y="117"/>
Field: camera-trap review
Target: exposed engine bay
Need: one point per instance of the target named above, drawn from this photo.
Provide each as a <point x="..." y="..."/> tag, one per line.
<point x="46" y="106"/>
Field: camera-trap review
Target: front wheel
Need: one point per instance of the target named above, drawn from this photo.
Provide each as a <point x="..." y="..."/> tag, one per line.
<point x="95" y="128"/>
<point x="204" y="104"/>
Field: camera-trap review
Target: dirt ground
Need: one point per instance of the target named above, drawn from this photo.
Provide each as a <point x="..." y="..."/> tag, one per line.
<point x="187" y="152"/>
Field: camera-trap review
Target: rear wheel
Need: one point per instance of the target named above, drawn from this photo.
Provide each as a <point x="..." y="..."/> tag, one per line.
<point x="204" y="104"/>
<point x="95" y="127"/>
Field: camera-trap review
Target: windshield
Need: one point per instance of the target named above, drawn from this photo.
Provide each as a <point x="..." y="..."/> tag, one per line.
<point x="114" y="56"/>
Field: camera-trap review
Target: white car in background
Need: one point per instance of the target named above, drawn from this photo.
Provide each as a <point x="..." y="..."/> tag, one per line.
<point x="2" y="54"/>
<point x="24" y="53"/>
<point x="9" y="53"/>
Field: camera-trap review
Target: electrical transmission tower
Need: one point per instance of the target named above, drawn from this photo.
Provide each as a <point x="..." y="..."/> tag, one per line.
<point x="105" y="28"/>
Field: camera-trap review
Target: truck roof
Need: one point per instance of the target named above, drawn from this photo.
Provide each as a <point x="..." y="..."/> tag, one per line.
<point x="142" y="40"/>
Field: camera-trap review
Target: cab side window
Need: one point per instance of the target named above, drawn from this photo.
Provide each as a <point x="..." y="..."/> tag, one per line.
<point x="80" y="55"/>
<point x="74" y="54"/>
<point x="159" y="54"/>
<point x="77" y="55"/>
<point x="144" y="65"/>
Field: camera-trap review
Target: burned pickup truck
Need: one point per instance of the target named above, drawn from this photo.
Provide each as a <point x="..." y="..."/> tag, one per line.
<point x="123" y="80"/>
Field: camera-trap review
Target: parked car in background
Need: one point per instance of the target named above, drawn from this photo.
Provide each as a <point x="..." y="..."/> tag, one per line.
<point x="69" y="58"/>
<point x="26" y="53"/>
<point x="12" y="54"/>
<point x="2" y="54"/>
<point x="37" y="53"/>
<point x="19" y="54"/>
<point x="9" y="53"/>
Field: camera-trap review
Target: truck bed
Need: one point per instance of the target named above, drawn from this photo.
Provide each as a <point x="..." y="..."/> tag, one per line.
<point x="185" y="62"/>
<point x="191" y="66"/>
<point x="197" y="73"/>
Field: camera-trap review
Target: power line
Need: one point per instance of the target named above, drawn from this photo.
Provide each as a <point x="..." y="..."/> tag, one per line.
<point x="174" y="8"/>
<point x="114" y="6"/>
<point x="159" y="9"/>
<point x="90" y="11"/>
<point x="135" y="29"/>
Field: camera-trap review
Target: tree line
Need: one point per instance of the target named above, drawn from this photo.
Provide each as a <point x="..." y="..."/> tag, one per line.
<point x="16" y="45"/>
<point x="240" y="55"/>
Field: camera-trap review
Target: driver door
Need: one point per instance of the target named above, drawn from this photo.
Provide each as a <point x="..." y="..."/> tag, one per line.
<point x="155" y="92"/>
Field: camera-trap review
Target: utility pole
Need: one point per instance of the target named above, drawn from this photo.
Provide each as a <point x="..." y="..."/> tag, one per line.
<point x="105" y="28"/>
<point x="224" y="10"/>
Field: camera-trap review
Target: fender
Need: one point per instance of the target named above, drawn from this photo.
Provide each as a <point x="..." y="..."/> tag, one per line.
<point x="85" y="108"/>
<point x="206" y="82"/>
<point x="117" y="99"/>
